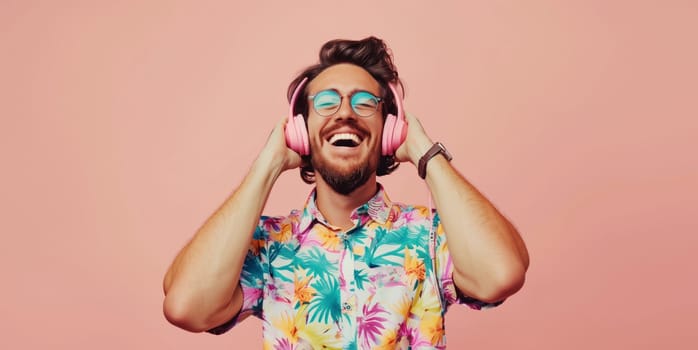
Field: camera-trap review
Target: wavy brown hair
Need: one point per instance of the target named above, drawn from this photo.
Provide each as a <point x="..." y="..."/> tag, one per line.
<point x="371" y="54"/>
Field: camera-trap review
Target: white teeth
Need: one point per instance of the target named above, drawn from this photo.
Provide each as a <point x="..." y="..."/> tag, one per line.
<point x="345" y="136"/>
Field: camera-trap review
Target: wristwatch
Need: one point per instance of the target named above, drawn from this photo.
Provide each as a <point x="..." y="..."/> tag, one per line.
<point x="437" y="148"/>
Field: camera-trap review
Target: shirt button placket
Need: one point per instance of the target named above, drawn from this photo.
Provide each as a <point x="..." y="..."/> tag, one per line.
<point x="348" y="297"/>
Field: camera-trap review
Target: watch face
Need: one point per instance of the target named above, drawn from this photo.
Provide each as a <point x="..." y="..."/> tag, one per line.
<point x="444" y="151"/>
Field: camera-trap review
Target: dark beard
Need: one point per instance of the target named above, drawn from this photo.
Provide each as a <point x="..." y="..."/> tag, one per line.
<point x="344" y="183"/>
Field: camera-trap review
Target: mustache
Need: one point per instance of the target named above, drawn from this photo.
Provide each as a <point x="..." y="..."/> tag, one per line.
<point x="343" y="124"/>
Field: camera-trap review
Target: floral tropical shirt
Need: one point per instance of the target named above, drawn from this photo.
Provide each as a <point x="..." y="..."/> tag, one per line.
<point x="374" y="286"/>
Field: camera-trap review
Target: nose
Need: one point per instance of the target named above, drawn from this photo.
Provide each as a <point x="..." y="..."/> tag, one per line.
<point x="345" y="110"/>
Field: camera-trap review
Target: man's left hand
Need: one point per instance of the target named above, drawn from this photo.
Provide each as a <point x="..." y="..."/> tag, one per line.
<point x="416" y="143"/>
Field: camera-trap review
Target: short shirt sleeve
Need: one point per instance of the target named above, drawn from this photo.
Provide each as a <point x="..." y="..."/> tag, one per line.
<point x="251" y="280"/>
<point x="444" y="265"/>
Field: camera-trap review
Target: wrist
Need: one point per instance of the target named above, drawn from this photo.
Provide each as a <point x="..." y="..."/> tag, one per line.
<point x="268" y="166"/>
<point x="435" y="150"/>
<point x="418" y="149"/>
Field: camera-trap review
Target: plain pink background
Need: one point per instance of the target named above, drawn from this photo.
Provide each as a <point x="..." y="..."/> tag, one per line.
<point x="126" y="123"/>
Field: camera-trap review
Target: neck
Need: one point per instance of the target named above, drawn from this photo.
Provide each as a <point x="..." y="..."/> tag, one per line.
<point x="336" y="207"/>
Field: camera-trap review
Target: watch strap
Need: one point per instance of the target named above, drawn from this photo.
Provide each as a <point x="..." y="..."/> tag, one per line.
<point x="436" y="148"/>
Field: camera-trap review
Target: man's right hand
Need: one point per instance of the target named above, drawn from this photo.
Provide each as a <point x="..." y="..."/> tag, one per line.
<point x="276" y="152"/>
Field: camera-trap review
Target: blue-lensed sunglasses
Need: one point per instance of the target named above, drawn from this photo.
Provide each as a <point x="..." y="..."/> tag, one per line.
<point x="328" y="102"/>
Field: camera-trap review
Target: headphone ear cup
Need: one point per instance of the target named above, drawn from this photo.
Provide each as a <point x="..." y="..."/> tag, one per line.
<point x="295" y="132"/>
<point x="395" y="127"/>
<point x="387" y="140"/>
<point x="297" y="135"/>
<point x="302" y="135"/>
<point x="394" y="134"/>
<point x="290" y="134"/>
<point x="399" y="134"/>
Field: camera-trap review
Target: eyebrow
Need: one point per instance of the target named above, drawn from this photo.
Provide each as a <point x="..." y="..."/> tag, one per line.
<point x="352" y="92"/>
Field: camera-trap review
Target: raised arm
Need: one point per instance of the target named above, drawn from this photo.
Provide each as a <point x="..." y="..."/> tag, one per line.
<point x="489" y="257"/>
<point x="201" y="286"/>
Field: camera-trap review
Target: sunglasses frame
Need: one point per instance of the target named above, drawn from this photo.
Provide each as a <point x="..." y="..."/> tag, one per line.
<point x="341" y="100"/>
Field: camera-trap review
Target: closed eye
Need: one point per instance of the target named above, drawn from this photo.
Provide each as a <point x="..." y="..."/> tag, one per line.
<point x="326" y="99"/>
<point x="364" y="100"/>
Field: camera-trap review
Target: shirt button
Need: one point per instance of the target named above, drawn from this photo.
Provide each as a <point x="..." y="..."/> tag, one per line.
<point x="346" y="306"/>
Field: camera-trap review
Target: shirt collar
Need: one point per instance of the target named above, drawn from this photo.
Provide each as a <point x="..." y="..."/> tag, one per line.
<point x="377" y="208"/>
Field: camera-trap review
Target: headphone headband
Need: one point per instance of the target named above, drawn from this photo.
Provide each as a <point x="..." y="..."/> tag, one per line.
<point x="398" y="100"/>
<point x="295" y="95"/>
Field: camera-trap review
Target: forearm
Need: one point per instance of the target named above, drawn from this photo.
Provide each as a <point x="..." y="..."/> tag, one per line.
<point x="201" y="281"/>
<point x="489" y="256"/>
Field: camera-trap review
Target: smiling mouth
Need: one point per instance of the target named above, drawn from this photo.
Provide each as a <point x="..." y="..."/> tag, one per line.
<point x="344" y="140"/>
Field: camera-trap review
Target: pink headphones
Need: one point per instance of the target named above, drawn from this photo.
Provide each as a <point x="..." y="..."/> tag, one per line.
<point x="394" y="128"/>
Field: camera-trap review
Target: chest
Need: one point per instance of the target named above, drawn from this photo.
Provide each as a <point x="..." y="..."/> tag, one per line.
<point x="360" y="283"/>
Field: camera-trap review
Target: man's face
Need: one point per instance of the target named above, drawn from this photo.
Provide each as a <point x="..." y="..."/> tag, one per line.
<point x="344" y="147"/>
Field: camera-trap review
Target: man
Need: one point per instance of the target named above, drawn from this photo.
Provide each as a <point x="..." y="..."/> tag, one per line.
<point x="352" y="269"/>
